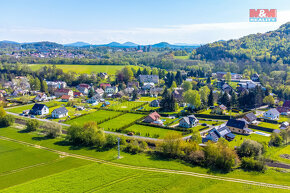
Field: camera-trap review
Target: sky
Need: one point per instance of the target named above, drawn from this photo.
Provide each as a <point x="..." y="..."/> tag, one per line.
<point x="142" y="22"/>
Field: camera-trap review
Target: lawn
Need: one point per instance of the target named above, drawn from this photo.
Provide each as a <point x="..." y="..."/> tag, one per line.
<point x="270" y="176"/>
<point x="269" y="125"/>
<point x="110" y="69"/>
<point x="147" y="99"/>
<point x="147" y="107"/>
<point x="72" y="112"/>
<point x="121" y="121"/>
<point x="213" y="123"/>
<point x="20" y="163"/>
<point x="148" y="131"/>
<point x="240" y="138"/>
<point x="97" y="116"/>
<point x="20" y="109"/>
<point x="128" y="105"/>
<point x="103" y="178"/>
<point x="284" y="118"/>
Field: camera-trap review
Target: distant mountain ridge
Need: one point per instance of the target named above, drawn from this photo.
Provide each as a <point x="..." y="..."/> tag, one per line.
<point x="46" y="44"/>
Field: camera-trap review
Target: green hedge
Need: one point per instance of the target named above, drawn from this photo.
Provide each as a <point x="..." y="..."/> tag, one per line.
<point x="261" y="128"/>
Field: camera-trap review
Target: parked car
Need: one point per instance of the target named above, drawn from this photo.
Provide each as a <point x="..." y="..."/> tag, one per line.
<point x="130" y="133"/>
<point x="32" y="116"/>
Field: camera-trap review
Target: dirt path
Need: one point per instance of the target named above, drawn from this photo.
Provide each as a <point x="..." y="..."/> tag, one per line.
<point x="168" y="171"/>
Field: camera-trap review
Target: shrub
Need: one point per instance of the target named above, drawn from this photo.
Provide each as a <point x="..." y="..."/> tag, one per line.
<point x="132" y="147"/>
<point x="32" y="125"/>
<point x="111" y="140"/>
<point x="250" y="148"/>
<point x="276" y="140"/>
<point x="6" y="120"/>
<point x="52" y="130"/>
<point x="249" y="163"/>
<point x="197" y="157"/>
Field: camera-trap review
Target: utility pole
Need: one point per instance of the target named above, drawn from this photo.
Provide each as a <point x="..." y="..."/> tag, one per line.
<point x="119" y="148"/>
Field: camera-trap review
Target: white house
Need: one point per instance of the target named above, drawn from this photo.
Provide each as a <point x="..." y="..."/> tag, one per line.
<point x="271" y="114"/>
<point x="39" y="109"/>
<point x="111" y="90"/>
<point x="59" y="113"/>
<point x="188" y="122"/>
<point x="41" y="97"/>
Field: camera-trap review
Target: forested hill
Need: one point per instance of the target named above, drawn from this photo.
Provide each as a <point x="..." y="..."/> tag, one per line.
<point x="270" y="47"/>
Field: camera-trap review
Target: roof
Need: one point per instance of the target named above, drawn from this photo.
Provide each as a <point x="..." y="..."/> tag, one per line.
<point x="283" y="109"/>
<point x="60" y="110"/>
<point x="223" y="107"/>
<point x="223" y="130"/>
<point x="37" y="107"/>
<point x="286" y="103"/>
<point x="189" y="119"/>
<point x="273" y="111"/>
<point x="251" y="117"/>
<point x="65" y="97"/>
<point x="84" y="85"/>
<point x="155" y="116"/>
<point x="78" y="93"/>
<point x="63" y="90"/>
<point x="236" y="123"/>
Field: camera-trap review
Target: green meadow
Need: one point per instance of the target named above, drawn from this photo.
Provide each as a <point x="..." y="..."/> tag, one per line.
<point x="276" y="176"/>
<point x="110" y="69"/>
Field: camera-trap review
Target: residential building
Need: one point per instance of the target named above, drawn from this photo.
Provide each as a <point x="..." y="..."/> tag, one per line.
<point x="221" y="132"/>
<point x="152" y="117"/>
<point x="238" y="126"/>
<point x="40" y="97"/>
<point x="188" y="122"/>
<point x="39" y="109"/>
<point x="52" y="85"/>
<point x="132" y="84"/>
<point x="104" y="85"/>
<point x="100" y="92"/>
<point x="255" y="77"/>
<point x="83" y="90"/>
<point x="63" y="91"/>
<point x="111" y="90"/>
<point x="271" y="114"/>
<point x="148" y="85"/>
<point x="59" y="113"/>
<point x="149" y="78"/>
<point x="283" y="110"/>
<point x="66" y="98"/>
<point x="250" y="118"/>
<point x="78" y="94"/>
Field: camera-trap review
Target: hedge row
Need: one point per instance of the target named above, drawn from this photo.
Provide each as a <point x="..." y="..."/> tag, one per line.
<point x="186" y="130"/>
<point x="261" y="128"/>
<point x="268" y="121"/>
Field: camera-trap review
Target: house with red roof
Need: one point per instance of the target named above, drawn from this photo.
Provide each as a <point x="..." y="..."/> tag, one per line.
<point x="152" y="117"/>
<point x="66" y="98"/>
<point x="63" y="91"/>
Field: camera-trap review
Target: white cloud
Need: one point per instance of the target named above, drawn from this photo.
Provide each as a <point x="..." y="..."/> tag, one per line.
<point x="193" y="33"/>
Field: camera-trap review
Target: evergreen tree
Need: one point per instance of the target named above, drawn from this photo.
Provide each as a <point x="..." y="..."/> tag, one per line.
<point x="91" y="92"/>
<point x="44" y="87"/>
<point x="210" y="101"/>
<point x="208" y="81"/>
<point x="178" y="78"/>
<point x="37" y="84"/>
<point x="225" y="100"/>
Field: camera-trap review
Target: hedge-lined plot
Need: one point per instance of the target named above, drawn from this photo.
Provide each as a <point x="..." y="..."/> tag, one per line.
<point x="121" y="121"/>
<point x="97" y="116"/>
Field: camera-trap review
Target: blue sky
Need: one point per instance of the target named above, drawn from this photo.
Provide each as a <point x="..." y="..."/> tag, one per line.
<point x="144" y="22"/>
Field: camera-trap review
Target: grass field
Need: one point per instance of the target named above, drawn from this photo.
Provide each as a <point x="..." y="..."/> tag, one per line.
<point x="95" y="116"/>
<point x="128" y="105"/>
<point x="103" y="178"/>
<point x="154" y="132"/>
<point x="270" y="176"/>
<point x="20" y="109"/>
<point x="72" y="112"/>
<point x="110" y="69"/>
<point x="275" y="152"/>
<point x="182" y="57"/>
<point x="269" y="125"/>
<point x="121" y="121"/>
<point x="240" y="138"/>
<point x="20" y="163"/>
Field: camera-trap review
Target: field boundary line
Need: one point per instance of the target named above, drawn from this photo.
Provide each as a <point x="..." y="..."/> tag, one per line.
<point x="169" y="171"/>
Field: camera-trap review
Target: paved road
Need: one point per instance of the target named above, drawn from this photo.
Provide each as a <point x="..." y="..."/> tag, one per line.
<point x="67" y="125"/>
<point x="168" y="171"/>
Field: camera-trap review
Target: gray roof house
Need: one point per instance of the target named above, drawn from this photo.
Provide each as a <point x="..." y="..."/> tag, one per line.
<point x="188" y="122"/>
<point x="250" y="117"/>
<point x="216" y="133"/>
<point x="271" y="114"/>
<point x="39" y="109"/>
<point x="59" y="112"/>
